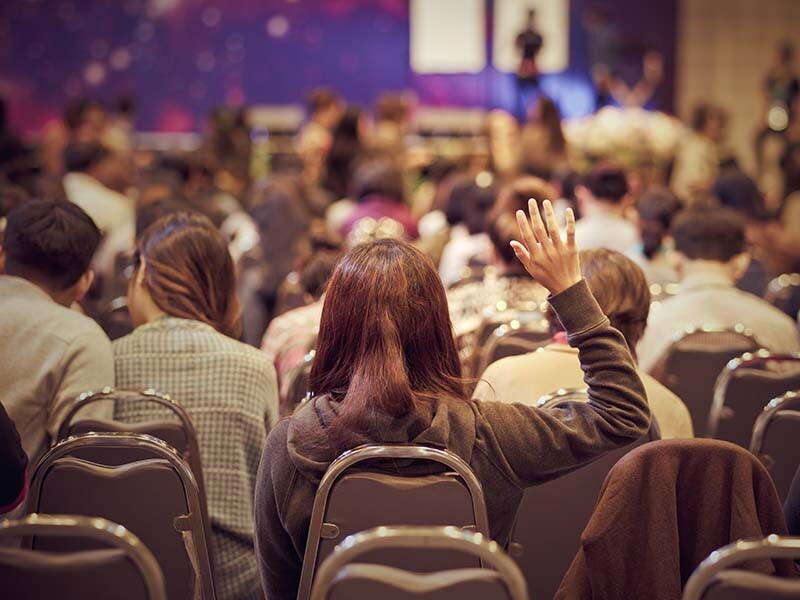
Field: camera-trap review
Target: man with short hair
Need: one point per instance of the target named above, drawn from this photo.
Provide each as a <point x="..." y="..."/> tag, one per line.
<point x="602" y="202"/>
<point x="711" y="256"/>
<point x="50" y="353"/>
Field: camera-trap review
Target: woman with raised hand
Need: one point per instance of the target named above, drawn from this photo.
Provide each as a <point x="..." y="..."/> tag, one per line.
<point x="387" y="371"/>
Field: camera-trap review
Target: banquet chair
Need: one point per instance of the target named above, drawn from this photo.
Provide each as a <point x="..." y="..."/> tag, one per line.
<point x="176" y="429"/>
<point x="122" y="564"/>
<point x="546" y="533"/>
<point x="745" y="385"/>
<point x="363" y="489"/>
<point x="157" y="499"/>
<point x="774" y="440"/>
<point x="718" y="578"/>
<point x="341" y="577"/>
<point x="783" y="292"/>
<point x="298" y="383"/>
<point x="691" y="364"/>
<point x="510" y="339"/>
<point x="115" y="318"/>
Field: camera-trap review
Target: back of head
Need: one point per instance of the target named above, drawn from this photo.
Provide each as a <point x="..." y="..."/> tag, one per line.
<point x="656" y="208"/>
<point x="470" y="198"/>
<point x="607" y="182"/>
<point x="379" y="177"/>
<point x="189" y="272"/>
<point x="385" y="340"/>
<point x="713" y="234"/>
<point x="147" y="214"/>
<point x="621" y="290"/>
<point x="321" y="99"/>
<point x="49" y="242"/>
<point x="80" y="157"/>
<point x="703" y="113"/>
<point x="501" y="220"/>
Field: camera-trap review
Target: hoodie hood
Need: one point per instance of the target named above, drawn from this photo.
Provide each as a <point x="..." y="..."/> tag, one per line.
<point x="444" y="424"/>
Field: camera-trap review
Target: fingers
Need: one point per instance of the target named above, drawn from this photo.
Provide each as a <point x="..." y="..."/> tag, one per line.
<point x="552" y="225"/>
<point x="570" y="228"/>
<point x="525" y="230"/>
<point x="536" y="221"/>
<point x="522" y="253"/>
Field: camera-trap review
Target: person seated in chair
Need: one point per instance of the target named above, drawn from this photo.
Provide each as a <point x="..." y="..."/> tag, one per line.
<point x="50" y="354"/>
<point x="620" y="287"/>
<point x="387" y="371"/>
<point x="711" y="256"/>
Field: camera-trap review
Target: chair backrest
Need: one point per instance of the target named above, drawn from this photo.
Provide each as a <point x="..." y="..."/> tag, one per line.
<point x="178" y="432"/>
<point x="774" y="439"/>
<point x="512" y="338"/>
<point x="157" y="499"/>
<point x="298" y="390"/>
<point x="783" y="292"/>
<point x="745" y="385"/>
<point x="115" y="318"/>
<point x="717" y="577"/>
<point x="124" y="565"/>
<point x="693" y="361"/>
<point x="500" y="319"/>
<point x="552" y="516"/>
<point x="341" y="577"/>
<point x="354" y="496"/>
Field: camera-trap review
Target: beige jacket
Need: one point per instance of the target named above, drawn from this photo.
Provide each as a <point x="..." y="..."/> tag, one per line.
<point x="528" y="377"/>
<point x="49" y="355"/>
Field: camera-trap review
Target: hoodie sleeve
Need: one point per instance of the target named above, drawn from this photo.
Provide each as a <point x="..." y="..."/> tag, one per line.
<point x="533" y="445"/>
<point x="279" y="564"/>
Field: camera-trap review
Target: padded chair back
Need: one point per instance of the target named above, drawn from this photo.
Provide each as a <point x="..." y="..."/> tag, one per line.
<point x="124" y="564"/>
<point x="341" y="578"/>
<point x="156" y="499"/>
<point x="115" y="318"/>
<point x="690" y="366"/>
<point x="717" y="577"/>
<point x="552" y="516"/>
<point x="349" y="501"/>
<point x="774" y="441"/>
<point x="783" y="292"/>
<point x="178" y="432"/>
<point x="502" y="321"/>
<point x="743" y="388"/>
<point x="512" y="338"/>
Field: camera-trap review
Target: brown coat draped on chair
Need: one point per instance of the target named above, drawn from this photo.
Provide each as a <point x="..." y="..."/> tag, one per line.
<point x="663" y="509"/>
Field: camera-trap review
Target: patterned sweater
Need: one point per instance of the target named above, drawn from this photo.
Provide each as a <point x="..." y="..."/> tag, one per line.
<point x="229" y="389"/>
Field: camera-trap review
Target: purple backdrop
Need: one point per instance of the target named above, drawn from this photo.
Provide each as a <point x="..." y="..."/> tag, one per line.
<point x="182" y="57"/>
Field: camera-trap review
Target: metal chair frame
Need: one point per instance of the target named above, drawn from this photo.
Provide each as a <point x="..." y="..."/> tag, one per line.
<point x="192" y="453"/>
<point x="747" y="360"/>
<point x="781" y="285"/>
<point x="369" y="452"/>
<point x="334" y="568"/>
<point x="95" y="528"/>
<point x="772" y="546"/>
<point x="195" y="522"/>
<point x="562" y="395"/>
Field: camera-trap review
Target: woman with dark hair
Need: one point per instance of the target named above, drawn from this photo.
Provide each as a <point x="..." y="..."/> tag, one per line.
<point x="544" y="146"/>
<point x="182" y="299"/>
<point x="346" y="148"/>
<point x="655" y="209"/>
<point x="387" y="371"/>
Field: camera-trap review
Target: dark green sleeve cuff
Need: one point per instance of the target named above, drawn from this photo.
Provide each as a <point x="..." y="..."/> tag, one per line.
<point x="577" y="310"/>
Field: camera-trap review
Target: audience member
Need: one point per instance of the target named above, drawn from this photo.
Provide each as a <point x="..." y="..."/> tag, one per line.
<point x="468" y="203"/>
<point x="542" y="139"/>
<point x="603" y="200"/>
<point x="13" y="464"/>
<point x="346" y="148"/>
<point x="50" y="354"/>
<point x="791" y="508"/>
<point x="711" y="256"/>
<point x="387" y="370"/>
<point x="698" y="156"/>
<point x="656" y="208"/>
<point x="182" y="299"/>
<point x="506" y="286"/>
<point x="379" y="191"/>
<point x="324" y="111"/>
<point x="622" y="292"/>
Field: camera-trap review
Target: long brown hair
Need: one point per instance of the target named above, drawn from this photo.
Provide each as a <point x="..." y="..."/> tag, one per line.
<point x="385" y="339"/>
<point x="189" y="271"/>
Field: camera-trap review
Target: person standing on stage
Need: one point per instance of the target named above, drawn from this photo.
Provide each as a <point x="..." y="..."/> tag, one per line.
<point x="529" y="43"/>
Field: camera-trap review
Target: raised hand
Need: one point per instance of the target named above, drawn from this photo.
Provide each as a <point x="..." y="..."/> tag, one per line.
<point x="551" y="261"/>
